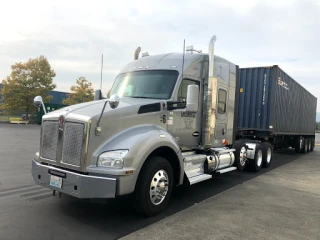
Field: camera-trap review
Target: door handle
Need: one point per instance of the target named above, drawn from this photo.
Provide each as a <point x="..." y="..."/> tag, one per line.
<point x="223" y="131"/>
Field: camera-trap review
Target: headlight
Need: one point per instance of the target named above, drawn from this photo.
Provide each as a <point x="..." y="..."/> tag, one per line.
<point x="112" y="159"/>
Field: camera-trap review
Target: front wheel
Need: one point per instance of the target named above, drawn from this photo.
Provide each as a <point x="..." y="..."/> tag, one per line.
<point x="154" y="186"/>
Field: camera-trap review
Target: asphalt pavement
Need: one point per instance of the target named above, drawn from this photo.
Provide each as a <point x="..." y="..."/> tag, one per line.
<point x="28" y="211"/>
<point x="280" y="204"/>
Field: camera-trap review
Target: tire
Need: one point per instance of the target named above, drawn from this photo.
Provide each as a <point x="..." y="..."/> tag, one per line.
<point x="256" y="163"/>
<point x="266" y="154"/>
<point x="312" y="144"/>
<point x="308" y="144"/>
<point x="299" y="144"/>
<point x="304" y="146"/>
<point x="240" y="155"/>
<point x="148" y="183"/>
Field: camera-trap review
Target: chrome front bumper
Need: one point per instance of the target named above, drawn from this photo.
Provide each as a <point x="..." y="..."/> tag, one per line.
<point x="74" y="184"/>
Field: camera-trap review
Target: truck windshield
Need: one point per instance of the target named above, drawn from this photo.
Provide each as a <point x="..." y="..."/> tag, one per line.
<point x="157" y="84"/>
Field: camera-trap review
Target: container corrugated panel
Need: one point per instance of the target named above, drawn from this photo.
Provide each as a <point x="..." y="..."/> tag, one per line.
<point x="270" y="100"/>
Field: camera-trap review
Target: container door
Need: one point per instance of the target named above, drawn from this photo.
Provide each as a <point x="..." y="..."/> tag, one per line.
<point x="221" y="116"/>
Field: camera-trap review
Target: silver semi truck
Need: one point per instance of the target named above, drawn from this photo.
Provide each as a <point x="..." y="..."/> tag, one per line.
<point x="170" y="121"/>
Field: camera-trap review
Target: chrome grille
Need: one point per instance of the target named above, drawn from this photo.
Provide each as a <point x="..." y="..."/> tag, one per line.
<point x="72" y="151"/>
<point x="49" y="140"/>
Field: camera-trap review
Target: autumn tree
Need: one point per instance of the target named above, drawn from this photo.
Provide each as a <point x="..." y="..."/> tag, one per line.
<point x="82" y="92"/>
<point x="27" y="80"/>
<point x="108" y="93"/>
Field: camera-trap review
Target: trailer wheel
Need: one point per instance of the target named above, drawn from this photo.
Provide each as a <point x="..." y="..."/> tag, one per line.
<point x="299" y="144"/>
<point x="266" y="154"/>
<point x="256" y="163"/>
<point x="312" y="145"/>
<point x="308" y="144"/>
<point x="154" y="186"/>
<point x="240" y="155"/>
<point x="304" y="146"/>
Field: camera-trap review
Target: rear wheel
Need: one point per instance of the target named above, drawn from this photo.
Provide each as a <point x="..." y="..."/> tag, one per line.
<point x="312" y="144"/>
<point x="304" y="146"/>
<point x="266" y="154"/>
<point x="308" y="144"/>
<point x="154" y="186"/>
<point x="256" y="163"/>
<point x="299" y="144"/>
<point x="240" y="155"/>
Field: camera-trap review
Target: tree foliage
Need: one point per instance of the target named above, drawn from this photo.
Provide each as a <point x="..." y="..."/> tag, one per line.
<point x="27" y="80"/>
<point x="108" y="93"/>
<point x="82" y="92"/>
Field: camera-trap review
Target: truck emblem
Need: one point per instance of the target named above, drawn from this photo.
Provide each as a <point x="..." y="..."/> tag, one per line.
<point x="61" y="122"/>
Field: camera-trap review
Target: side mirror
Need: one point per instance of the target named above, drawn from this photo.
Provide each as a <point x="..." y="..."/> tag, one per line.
<point x="37" y="101"/>
<point x="114" y="101"/>
<point x="193" y="98"/>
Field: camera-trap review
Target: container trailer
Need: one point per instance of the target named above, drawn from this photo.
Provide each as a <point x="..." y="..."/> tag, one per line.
<point x="274" y="108"/>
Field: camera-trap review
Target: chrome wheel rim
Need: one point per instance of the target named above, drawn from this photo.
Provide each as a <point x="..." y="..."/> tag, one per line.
<point x="269" y="154"/>
<point x="159" y="187"/>
<point x="243" y="156"/>
<point x="259" y="160"/>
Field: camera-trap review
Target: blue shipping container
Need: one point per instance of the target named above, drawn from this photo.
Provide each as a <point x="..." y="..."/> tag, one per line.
<point x="270" y="100"/>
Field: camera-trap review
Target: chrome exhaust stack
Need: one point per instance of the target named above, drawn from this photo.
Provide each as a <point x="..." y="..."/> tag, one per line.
<point x="210" y="99"/>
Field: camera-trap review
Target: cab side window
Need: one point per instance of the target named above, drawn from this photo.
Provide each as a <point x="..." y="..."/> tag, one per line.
<point x="182" y="93"/>
<point x="222" y="101"/>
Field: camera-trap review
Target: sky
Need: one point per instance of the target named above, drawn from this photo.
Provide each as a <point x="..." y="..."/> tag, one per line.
<point x="74" y="34"/>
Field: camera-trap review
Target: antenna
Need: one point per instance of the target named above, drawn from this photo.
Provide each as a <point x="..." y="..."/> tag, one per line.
<point x="101" y="72"/>
<point x="184" y="45"/>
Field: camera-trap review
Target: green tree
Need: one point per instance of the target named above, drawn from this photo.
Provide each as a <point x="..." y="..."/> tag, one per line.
<point x="82" y="92"/>
<point x="27" y="80"/>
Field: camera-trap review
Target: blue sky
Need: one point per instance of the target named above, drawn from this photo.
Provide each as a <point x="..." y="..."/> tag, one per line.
<point x="74" y="34"/>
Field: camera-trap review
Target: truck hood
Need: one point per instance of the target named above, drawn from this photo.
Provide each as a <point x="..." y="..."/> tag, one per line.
<point x="93" y="109"/>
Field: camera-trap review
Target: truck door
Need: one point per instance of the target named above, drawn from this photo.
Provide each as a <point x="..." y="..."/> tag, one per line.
<point x="184" y="126"/>
<point x="221" y="115"/>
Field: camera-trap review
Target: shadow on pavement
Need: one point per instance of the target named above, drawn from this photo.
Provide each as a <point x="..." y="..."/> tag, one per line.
<point x="117" y="218"/>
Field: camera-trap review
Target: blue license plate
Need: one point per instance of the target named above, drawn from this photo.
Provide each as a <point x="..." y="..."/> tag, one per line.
<point x="55" y="181"/>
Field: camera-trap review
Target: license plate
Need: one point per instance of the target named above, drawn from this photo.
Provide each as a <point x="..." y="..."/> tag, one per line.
<point x="55" y="181"/>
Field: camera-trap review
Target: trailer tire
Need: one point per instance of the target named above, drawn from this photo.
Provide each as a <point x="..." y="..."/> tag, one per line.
<point x="312" y="145"/>
<point x="256" y="163"/>
<point x="308" y="144"/>
<point x="266" y="154"/>
<point x="240" y="155"/>
<point x="304" y="146"/>
<point x="156" y="175"/>
<point x="299" y="144"/>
